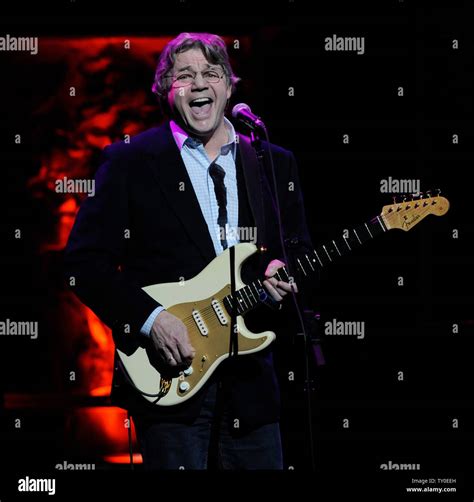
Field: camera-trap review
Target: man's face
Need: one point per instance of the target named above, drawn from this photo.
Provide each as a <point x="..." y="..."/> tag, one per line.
<point x="198" y="104"/>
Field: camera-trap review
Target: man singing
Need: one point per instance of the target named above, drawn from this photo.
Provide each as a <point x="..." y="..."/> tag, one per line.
<point x="165" y="205"/>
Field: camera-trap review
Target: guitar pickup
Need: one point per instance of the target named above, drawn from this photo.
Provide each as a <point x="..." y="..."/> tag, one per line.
<point x="219" y="312"/>
<point x="200" y="323"/>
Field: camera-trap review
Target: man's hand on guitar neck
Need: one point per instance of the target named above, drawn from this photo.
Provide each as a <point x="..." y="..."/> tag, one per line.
<point x="277" y="289"/>
<point x="171" y="340"/>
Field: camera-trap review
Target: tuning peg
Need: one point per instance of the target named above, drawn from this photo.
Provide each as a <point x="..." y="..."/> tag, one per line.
<point x="394" y="197"/>
<point x="438" y="191"/>
<point x="428" y="196"/>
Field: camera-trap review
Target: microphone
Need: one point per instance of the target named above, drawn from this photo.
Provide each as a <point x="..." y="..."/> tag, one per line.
<point x="243" y="113"/>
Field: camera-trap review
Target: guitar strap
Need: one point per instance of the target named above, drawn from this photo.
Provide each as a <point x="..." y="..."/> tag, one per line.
<point x="255" y="180"/>
<point x="233" y="339"/>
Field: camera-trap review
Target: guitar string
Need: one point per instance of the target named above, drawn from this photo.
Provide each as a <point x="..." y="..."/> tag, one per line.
<point x="209" y="313"/>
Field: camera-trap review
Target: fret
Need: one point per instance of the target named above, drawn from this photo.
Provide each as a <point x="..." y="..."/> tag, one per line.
<point x="313" y="265"/>
<point x="254" y="298"/>
<point x="319" y="259"/>
<point x="364" y="233"/>
<point x="248" y="303"/>
<point x="236" y="306"/>
<point x="347" y="243"/>
<point x="375" y="227"/>
<point x="250" y="293"/>
<point x="342" y="246"/>
<point x="256" y="290"/>
<point x="381" y="224"/>
<point x="324" y="247"/>
<point x="228" y="304"/>
<point x="240" y="300"/>
<point x="301" y="266"/>
<point x="352" y="240"/>
<point x="285" y="275"/>
<point x="312" y="260"/>
<point x="354" y="230"/>
<point x="332" y="250"/>
<point x="261" y="287"/>
<point x="309" y="261"/>
<point x="370" y="233"/>
<point x="244" y="289"/>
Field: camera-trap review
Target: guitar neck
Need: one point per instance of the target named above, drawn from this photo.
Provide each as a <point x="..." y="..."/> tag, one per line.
<point x="248" y="297"/>
<point x="401" y="215"/>
<point x="332" y="250"/>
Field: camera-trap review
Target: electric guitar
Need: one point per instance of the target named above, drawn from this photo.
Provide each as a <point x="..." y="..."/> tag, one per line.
<point x="204" y="304"/>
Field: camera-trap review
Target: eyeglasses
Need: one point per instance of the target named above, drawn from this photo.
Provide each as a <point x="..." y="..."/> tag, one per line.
<point x="188" y="77"/>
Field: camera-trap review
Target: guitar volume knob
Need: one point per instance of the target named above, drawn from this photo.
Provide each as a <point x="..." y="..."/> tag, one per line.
<point x="184" y="386"/>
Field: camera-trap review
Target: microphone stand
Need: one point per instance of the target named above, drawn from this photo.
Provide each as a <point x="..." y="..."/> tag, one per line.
<point x="313" y="345"/>
<point x="313" y="349"/>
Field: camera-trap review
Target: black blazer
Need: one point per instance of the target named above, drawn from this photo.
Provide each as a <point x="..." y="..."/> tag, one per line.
<point x="142" y="228"/>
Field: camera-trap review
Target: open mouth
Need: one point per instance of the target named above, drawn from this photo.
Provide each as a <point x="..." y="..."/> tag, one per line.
<point x="199" y="102"/>
<point x="201" y="107"/>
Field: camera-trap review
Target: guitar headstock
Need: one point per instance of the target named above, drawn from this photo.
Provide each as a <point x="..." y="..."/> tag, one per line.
<point x="408" y="213"/>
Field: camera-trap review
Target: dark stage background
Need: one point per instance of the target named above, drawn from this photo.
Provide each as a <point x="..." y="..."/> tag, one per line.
<point x="400" y="395"/>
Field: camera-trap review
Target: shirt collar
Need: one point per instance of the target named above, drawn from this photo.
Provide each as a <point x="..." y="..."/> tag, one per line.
<point x="181" y="137"/>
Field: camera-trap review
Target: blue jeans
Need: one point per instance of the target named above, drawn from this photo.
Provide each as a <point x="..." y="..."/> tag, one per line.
<point x="211" y="441"/>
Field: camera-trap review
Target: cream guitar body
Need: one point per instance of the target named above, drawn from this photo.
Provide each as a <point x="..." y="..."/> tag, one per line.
<point x="199" y="303"/>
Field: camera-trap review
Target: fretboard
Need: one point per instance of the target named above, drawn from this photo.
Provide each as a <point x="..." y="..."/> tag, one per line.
<point x="248" y="297"/>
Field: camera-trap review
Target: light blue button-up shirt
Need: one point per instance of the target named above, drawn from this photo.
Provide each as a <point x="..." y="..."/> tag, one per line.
<point x="197" y="164"/>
